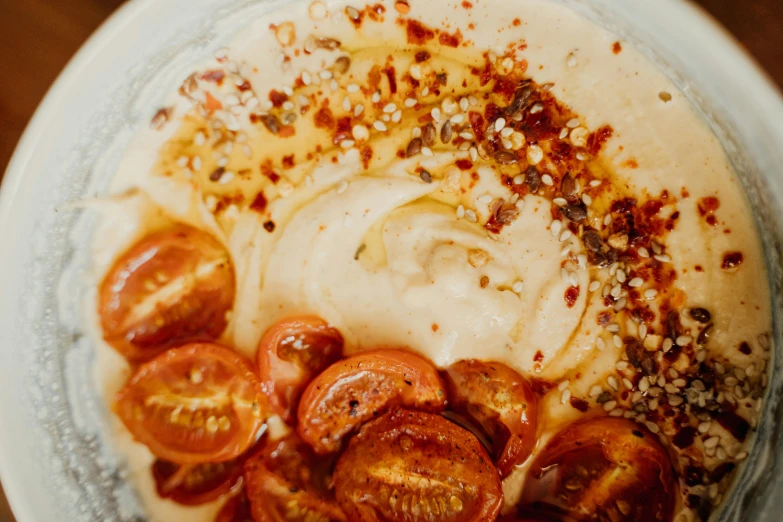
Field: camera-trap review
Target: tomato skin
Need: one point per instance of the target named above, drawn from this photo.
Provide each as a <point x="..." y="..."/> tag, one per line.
<point x="192" y="485"/>
<point x="194" y="404"/>
<point x="173" y="286"/>
<point x="286" y="369"/>
<point x="286" y="483"/>
<point x="501" y="402"/>
<point x="605" y="468"/>
<point x="236" y="509"/>
<point x="358" y="388"/>
<point x="408" y="465"/>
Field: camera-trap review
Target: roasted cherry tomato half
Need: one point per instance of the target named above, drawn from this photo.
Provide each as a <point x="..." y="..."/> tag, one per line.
<point x="194" y="484"/>
<point x="358" y="388"/>
<point x="290" y="354"/>
<point x="605" y="468"/>
<point x="173" y="286"/>
<point x="416" y="466"/>
<point x="236" y="509"/>
<point x="194" y="404"/>
<point x="287" y="483"/>
<point x="501" y="402"/>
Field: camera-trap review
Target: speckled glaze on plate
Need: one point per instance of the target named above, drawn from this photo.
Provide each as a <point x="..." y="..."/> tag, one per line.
<point x="54" y="458"/>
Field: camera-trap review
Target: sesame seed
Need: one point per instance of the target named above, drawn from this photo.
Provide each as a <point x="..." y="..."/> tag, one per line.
<point x="566" y="235"/>
<point x="473" y="153"/>
<point x="458" y="118"/>
<point x="376" y="97"/>
<point x="566" y="250"/>
<point x="519" y="179"/>
<point x="324" y="75"/>
<point x="573" y="279"/>
<point x="227" y="177"/>
<point x="565" y="396"/>
<point x="652" y="426"/>
<point x="360" y="132"/>
<point x="410" y="102"/>
<point x="612" y="382"/>
<point x="711" y="442"/>
<point x="594" y="286"/>
<point x="620" y="304"/>
<point x="517" y="287"/>
<point x="608" y="220"/>
<point x="386" y="117"/>
<point x="435" y="113"/>
<point x="466" y="135"/>
<point x="663" y="258"/>
<point x="416" y="132"/>
<point x="486" y="198"/>
<point x="390" y="108"/>
<point x="358" y="110"/>
<point x="600" y="344"/>
<point x="667" y="344"/>
<point x="222" y="162"/>
<point x="306" y="78"/>
<point x="546" y="179"/>
<point x="595" y="391"/>
<point x="642" y="331"/>
<point x="425" y="91"/>
<point x="615" y="291"/>
<point x="571" y="60"/>
<point x="613" y="328"/>
<point x="471" y="216"/>
<point x="535" y="109"/>
<point x="587" y="200"/>
<point x="342" y="186"/>
<point x="563" y="133"/>
<point x="507" y="143"/>
<point x="609" y="405"/>
<point x="346" y="104"/>
<point x="397" y="116"/>
<point x="460" y="212"/>
<point x="426" y="151"/>
<point x="463" y="104"/>
<point x="500" y="123"/>
<point x="380" y="126"/>
<point x="534" y="155"/>
<point x="644" y="384"/>
<point x="506" y="131"/>
<point x="741" y="455"/>
<point x="650" y="293"/>
<point x="617" y="340"/>
<point x="197" y="163"/>
<point x="560" y="202"/>
<point x="581" y="260"/>
<point x="684" y="340"/>
<point x="620" y="274"/>
<point x="555" y="227"/>
<point x="563" y="385"/>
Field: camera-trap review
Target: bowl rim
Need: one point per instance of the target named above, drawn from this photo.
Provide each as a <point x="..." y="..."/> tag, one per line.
<point x="682" y="13"/>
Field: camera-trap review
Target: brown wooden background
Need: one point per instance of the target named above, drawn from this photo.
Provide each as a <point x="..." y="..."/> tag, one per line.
<point x="37" y="37"/>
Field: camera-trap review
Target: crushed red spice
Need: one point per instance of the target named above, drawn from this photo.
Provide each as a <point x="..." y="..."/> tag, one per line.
<point x="214" y="76"/>
<point x="731" y="260"/>
<point x="417" y="33"/>
<point x="269" y="226"/>
<point x="571" y="295"/>
<point x="617" y="48"/>
<point x="391" y="76"/>
<point x="578" y="404"/>
<point x="277" y="98"/>
<point x="598" y="138"/>
<point x="450" y="40"/>
<point x="259" y="202"/>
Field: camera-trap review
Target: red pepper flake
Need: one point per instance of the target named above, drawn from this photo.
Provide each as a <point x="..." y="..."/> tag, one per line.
<point x="734" y="424"/>
<point x="435" y="327"/>
<point x="269" y="226"/>
<point x="617" y="48"/>
<point x="539" y="126"/>
<point x="467" y="5"/>
<point x="266" y="170"/>
<point x="604" y="318"/>
<point x="212" y="104"/>
<point x="598" y="138"/>
<point x="699" y="268"/>
<point x="417" y="33"/>
<point x="685" y="437"/>
<point x="422" y="56"/>
<point x="390" y="74"/>
<point x="631" y="164"/>
<point x="245" y="86"/>
<point x="215" y="76"/>
<point x="484" y="76"/>
<point x="505" y="86"/>
<point x="288" y="162"/>
<point x="464" y="164"/>
<point x="517" y="22"/>
<point x="571" y="295"/>
<point x="450" y="40"/>
<point x="745" y="348"/>
<point x="277" y="98"/>
<point x="538" y="357"/>
<point x="366" y="155"/>
<point x="578" y="404"/>
<point x="287" y="131"/>
<point x="323" y="119"/>
<point x="477" y="123"/>
<point x="731" y="260"/>
<point x="259" y="203"/>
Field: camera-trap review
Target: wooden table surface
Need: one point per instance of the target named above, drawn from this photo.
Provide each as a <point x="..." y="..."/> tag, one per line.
<point x="39" y="36"/>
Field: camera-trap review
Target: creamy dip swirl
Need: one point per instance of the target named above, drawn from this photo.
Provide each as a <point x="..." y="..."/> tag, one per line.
<point x="392" y="256"/>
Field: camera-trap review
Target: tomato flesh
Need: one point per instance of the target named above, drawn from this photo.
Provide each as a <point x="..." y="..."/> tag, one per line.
<point x="356" y="389"/>
<point x="286" y="483"/>
<point x="197" y="483"/>
<point x="416" y="466"/>
<point x="237" y="509"/>
<point x="194" y="404"/>
<point x="290" y="354"/>
<point x="605" y="469"/>
<point x="173" y="286"/>
<point x="501" y="402"/>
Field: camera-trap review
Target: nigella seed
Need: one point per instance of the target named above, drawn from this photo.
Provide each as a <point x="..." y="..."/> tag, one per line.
<point x="271" y="122"/>
<point x="426" y="177"/>
<point x="414" y="147"/>
<point x="442" y="78"/>
<point x="342" y="64"/>
<point x="568" y="186"/>
<point x="428" y="135"/>
<point x="533" y="179"/>
<point x="446" y="133"/>
<point x="574" y="212"/>
<point x="217" y="174"/>
<point x="701" y="315"/>
<point x="592" y="240"/>
<point x="604" y="397"/>
<point x="505" y="158"/>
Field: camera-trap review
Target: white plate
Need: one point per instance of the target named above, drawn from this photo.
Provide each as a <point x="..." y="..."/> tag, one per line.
<point x="54" y="462"/>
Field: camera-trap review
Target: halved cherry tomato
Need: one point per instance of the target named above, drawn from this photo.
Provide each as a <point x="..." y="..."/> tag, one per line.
<point x="236" y="509"/>
<point x="173" y="286"/>
<point x="194" y="404"/>
<point x="416" y="466"/>
<point x="605" y="469"/>
<point x="286" y="483"/>
<point x="194" y="484"/>
<point x="290" y="354"/>
<point x="356" y="389"/>
<point x="501" y="402"/>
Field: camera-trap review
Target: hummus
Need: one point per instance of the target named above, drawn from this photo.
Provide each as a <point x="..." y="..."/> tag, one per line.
<point x="313" y="147"/>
